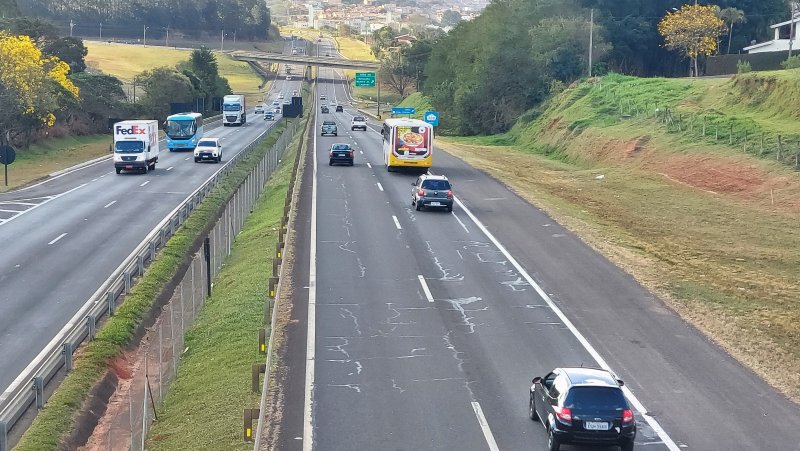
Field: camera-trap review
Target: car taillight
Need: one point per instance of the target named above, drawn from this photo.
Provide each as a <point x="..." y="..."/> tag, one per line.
<point x="449" y="194"/>
<point x="564" y="414"/>
<point x="351" y="154"/>
<point x="627" y="416"/>
<point x="421" y="192"/>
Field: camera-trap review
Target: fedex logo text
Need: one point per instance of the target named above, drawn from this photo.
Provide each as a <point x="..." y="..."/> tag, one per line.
<point x="133" y="130"/>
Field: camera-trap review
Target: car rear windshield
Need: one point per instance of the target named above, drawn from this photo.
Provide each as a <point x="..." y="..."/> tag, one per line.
<point x="341" y="147"/>
<point x="358" y="119"/>
<point x="436" y="184"/>
<point x="329" y="123"/>
<point x="206" y="144"/>
<point x="595" y="397"/>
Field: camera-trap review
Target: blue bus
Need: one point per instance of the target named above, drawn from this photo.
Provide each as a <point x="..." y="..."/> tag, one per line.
<point x="184" y="130"/>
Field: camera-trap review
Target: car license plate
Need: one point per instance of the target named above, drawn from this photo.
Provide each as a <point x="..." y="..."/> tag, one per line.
<point x="206" y="156"/>
<point x="595" y="425"/>
<point x="435" y="204"/>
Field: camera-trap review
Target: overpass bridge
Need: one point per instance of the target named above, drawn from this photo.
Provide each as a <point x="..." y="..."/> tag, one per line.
<point x="319" y="61"/>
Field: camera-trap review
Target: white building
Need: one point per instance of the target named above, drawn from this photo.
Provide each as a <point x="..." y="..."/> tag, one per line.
<point x="782" y="38"/>
<point x="310" y="16"/>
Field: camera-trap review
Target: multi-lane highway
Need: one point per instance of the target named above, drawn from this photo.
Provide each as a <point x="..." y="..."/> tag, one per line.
<point x="63" y="237"/>
<point x="422" y="330"/>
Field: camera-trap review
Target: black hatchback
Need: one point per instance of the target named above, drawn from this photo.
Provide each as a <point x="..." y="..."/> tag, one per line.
<point x="582" y="406"/>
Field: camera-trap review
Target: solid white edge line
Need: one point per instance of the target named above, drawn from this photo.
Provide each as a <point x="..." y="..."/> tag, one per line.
<point x="460" y="222"/>
<point x="487" y="432"/>
<point x="308" y="419"/>
<point x="58" y="238"/>
<point x="43" y="203"/>
<point x="396" y="222"/>
<point x="380" y="187"/>
<point x="425" y="288"/>
<point x="110" y="204"/>
<point x="662" y="434"/>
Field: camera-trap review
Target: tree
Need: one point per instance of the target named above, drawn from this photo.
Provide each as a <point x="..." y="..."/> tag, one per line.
<point x="732" y="16"/>
<point x="450" y="18"/>
<point x="382" y="39"/>
<point x="9" y="8"/>
<point x="71" y="51"/>
<point x="162" y="86"/>
<point x="693" y="30"/>
<point x="102" y="98"/>
<point x="396" y="73"/>
<point x="31" y="86"/>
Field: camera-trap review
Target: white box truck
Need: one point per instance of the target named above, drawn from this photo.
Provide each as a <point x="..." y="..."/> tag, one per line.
<point x="234" y="110"/>
<point x="136" y="145"/>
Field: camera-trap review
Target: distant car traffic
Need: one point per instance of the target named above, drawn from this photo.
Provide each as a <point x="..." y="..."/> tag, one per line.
<point x="259" y="109"/>
<point x="287" y="102"/>
<point x="582" y="406"/>
<point x="295" y="93"/>
<point x="268" y="116"/>
<point x="339" y="109"/>
<point x="340" y="153"/>
<point x="329" y="128"/>
<point x="432" y="191"/>
<point x="322" y="97"/>
<point x="324" y="109"/>
<point x="208" y="149"/>
<point x="276" y="102"/>
<point x="281" y="96"/>
<point x="359" y="123"/>
<point x="277" y="110"/>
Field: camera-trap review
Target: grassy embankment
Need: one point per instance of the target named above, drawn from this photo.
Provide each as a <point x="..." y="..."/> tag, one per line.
<point x="709" y="227"/>
<point x="125" y="61"/>
<point x="53" y="155"/>
<point x="56" y="421"/>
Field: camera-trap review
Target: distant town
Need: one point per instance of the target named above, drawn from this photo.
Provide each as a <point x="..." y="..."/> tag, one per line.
<point x="363" y="17"/>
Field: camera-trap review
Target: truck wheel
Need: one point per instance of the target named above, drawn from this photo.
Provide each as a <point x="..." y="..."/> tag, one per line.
<point x="153" y="167"/>
<point x="118" y="170"/>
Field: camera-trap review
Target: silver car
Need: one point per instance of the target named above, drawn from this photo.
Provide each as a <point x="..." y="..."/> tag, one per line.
<point x="432" y="191"/>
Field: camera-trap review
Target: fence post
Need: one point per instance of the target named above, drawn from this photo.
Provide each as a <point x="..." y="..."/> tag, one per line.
<point x="761" y="149"/>
<point x="780" y="148"/>
<point x="716" y="133"/>
<point x="3" y="436"/>
<point x="704" y="126"/>
<point x="730" y="135"/>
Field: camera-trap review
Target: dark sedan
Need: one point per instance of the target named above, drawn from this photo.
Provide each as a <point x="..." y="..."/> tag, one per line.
<point x="340" y="153"/>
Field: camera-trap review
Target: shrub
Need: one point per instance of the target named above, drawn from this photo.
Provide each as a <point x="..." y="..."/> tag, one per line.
<point x="743" y="67"/>
<point x="793" y="62"/>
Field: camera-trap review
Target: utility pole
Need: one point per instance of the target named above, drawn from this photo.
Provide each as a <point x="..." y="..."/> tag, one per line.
<point x="101" y="31"/>
<point x="71" y="25"/>
<point x="222" y="43"/>
<point x="791" y="29"/>
<point x="166" y="42"/>
<point x="144" y="35"/>
<point x="591" y="39"/>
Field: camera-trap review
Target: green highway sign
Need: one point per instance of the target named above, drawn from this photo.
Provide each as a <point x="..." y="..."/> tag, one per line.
<point x="365" y="79"/>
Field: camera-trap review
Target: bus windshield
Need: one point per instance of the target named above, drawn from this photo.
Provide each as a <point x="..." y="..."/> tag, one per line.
<point x="231" y="107"/>
<point x="129" y="146"/>
<point x="181" y="129"/>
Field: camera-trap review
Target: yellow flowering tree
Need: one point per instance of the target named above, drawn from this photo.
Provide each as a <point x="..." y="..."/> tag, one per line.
<point x="31" y="85"/>
<point x="693" y="30"/>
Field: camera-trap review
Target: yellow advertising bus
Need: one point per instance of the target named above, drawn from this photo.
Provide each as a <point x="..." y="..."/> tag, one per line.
<point x="407" y="143"/>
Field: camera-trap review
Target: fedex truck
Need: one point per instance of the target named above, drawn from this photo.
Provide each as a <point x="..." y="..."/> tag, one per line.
<point x="234" y="110"/>
<point x="136" y="145"/>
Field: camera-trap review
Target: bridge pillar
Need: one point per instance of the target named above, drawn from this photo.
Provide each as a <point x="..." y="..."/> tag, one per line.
<point x="308" y="73"/>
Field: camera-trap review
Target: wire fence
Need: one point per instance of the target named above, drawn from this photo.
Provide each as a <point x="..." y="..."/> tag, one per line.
<point x="712" y="127"/>
<point x="145" y="381"/>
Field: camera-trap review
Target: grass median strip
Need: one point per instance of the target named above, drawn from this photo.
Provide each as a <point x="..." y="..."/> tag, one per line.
<point x="54" y="423"/>
<point x="204" y="406"/>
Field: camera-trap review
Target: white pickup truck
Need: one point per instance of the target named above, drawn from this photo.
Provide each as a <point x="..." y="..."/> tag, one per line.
<point x="358" y="122"/>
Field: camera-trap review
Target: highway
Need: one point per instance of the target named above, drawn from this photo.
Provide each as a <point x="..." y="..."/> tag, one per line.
<point x="65" y="236"/>
<point x="422" y="330"/>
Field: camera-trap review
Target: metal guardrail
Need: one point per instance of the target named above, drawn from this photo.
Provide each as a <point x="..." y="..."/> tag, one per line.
<point x="29" y="387"/>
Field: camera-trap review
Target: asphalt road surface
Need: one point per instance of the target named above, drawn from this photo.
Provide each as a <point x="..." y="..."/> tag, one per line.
<point x="64" y="237"/>
<point x="423" y="330"/>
